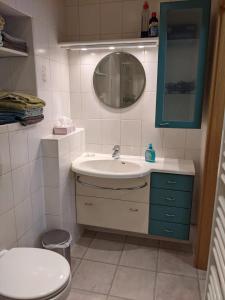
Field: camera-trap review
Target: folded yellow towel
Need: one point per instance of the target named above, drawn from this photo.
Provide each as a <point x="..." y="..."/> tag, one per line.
<point x="19" y="101"/>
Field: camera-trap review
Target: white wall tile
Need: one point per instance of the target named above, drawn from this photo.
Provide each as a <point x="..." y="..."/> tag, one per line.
<point x="50" y="148"/>
<point x="130" y="132"/>
<point x="75" y="79"/>
<point x="52" y="201"/>
<point x="5" y="164"/>
<point x="6" y="194"/>
<point x="93" y="130"/>
<point x="131" y="16"/>
<point x="51" y="173"/>
<point x="76" y="106"/>
<point x="8" y="236"/>
<point x="23" y="215"/>
<point x="110" y="132"/>
<point x="174" y="138"/>
<point x="194" y="154"/>
<point x="194" y="137"/>
<point x="34" y="142"/>
<point x="91" y="106"/>
<point x="87" y="72"/>
<point x="151" y="135"/>
<point x="21" y="184"/>
<point x="89" y="21"/>
<point x="18" y="148"/>
<point x="27" y="240"/>
<point x="36" y="175"/>
<point x="174" y="153"/>
<point x="111" y="17"/>
<point x="151" y="76"/>
<point x="53" y="222"/>
<point x="38" y="205"/>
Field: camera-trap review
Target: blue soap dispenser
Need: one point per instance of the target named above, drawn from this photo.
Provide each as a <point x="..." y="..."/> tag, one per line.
<point x="150" y="154"/>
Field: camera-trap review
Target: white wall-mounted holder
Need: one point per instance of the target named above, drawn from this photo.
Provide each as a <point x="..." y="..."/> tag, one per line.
<point x="111" y="44"/>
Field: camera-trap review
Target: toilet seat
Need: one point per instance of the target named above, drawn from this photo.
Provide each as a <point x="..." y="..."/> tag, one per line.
<point x="32" y="273"/>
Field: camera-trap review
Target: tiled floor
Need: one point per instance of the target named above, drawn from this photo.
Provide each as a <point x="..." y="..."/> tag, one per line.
<point x="113" y="267"/>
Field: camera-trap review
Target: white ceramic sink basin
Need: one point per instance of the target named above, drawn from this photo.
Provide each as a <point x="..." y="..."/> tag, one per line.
<point x="103" y="165"/>
<point x="110" y="165"/>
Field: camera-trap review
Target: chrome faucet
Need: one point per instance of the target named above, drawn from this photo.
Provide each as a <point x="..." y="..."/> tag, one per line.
<point x="116" y="152"/>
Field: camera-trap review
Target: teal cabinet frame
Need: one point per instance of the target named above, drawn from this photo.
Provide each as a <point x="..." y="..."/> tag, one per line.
<point x="205" y="5"/>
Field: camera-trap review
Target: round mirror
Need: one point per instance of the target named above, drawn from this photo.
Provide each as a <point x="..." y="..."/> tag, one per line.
<point x="119" y="80"/>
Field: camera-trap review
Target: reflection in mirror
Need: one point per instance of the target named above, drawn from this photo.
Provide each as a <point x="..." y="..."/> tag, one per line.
<point x="119" y="80"/>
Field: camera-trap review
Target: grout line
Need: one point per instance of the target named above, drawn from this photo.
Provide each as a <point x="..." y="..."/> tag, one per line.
<point x="155" y="285"/>
<point x="87" y="291"/>
<point x="117" y="266"/>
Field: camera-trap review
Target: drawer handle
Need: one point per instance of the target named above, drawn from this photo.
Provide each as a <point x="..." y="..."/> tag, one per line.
<point x="168" y="231"/>
<point x="163" y="124"/>
<point x="132" y="188"/>
<point x="170" y="216"/>
<point x="133" y="209"/>
<point x="171" y="182"/>
<point x="170" y="199"/>
<point x="88" y="203"/>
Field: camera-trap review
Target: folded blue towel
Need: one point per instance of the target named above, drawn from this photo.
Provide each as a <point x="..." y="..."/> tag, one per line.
<point x="7" y="119"/>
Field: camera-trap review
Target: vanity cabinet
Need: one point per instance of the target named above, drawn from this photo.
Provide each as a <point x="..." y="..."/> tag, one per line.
<point x="182" y="63"/>
<point x="121" y="204"/>
<point x="170" y="205"/>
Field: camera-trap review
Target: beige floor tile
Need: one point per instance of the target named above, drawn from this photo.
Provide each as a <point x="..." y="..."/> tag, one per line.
<point x="133" y="284"/>
<point x="94" y="277"/>
<point x="83" y="295"/>
<point x="147" y="242"/>
<point x="115" y="298"/>
<point x="104" y="251"/>
<point x="176" y="287"/>
<point x="179" y="263"/>
<point x="80" y="248"/>
<point x="75" y="262"/>
<point x="110" y="236"/>
<point x="139" y="257"/>
<point x="202" y="284"/>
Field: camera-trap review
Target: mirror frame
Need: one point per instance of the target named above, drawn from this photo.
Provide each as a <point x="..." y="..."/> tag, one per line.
<point x="142" y="90"/>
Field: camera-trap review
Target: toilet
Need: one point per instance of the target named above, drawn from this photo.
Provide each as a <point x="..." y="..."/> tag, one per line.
<point x="33" y="273"/>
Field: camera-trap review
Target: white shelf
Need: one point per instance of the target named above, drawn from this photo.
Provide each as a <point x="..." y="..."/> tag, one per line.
<point x="7" y="52"/>
<point x="111" y="44"/>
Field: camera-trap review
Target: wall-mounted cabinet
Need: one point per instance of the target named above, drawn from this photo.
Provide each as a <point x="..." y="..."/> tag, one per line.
<point x="182" y="59"/>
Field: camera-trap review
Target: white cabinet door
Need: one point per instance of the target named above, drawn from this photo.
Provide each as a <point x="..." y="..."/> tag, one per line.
<point x="114" y="214"/>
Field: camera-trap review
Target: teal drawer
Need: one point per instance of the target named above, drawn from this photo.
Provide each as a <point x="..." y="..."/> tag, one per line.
<point x="171" y="198"/>
<point x="172" y="181"/>
<point x="170" y="214"/>
<point x="170" y="230"/>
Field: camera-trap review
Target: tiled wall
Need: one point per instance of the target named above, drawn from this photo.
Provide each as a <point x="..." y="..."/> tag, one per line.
<point x="58" y="152"/>
<point x="104" y="19"/>
<point x="22" y="211"/>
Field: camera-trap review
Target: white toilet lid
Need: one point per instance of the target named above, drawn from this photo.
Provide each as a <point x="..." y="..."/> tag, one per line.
<point x="32" y="273"/>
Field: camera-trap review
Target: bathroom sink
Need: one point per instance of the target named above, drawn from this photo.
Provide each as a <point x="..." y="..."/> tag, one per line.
<point x="105" y="166"/>
<point x="111" y="165"/>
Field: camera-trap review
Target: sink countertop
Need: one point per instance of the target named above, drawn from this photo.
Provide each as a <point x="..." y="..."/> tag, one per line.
<point x="164" y="165"/>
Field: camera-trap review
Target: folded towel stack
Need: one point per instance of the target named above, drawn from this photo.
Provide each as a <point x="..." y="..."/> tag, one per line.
<point x="20" y="107"/>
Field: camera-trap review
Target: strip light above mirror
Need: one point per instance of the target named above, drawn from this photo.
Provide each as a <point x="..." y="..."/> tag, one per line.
<point x="111" y="44"/>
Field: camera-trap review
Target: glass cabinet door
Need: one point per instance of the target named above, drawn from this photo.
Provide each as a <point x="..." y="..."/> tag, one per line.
<point x="183" y="38"/>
